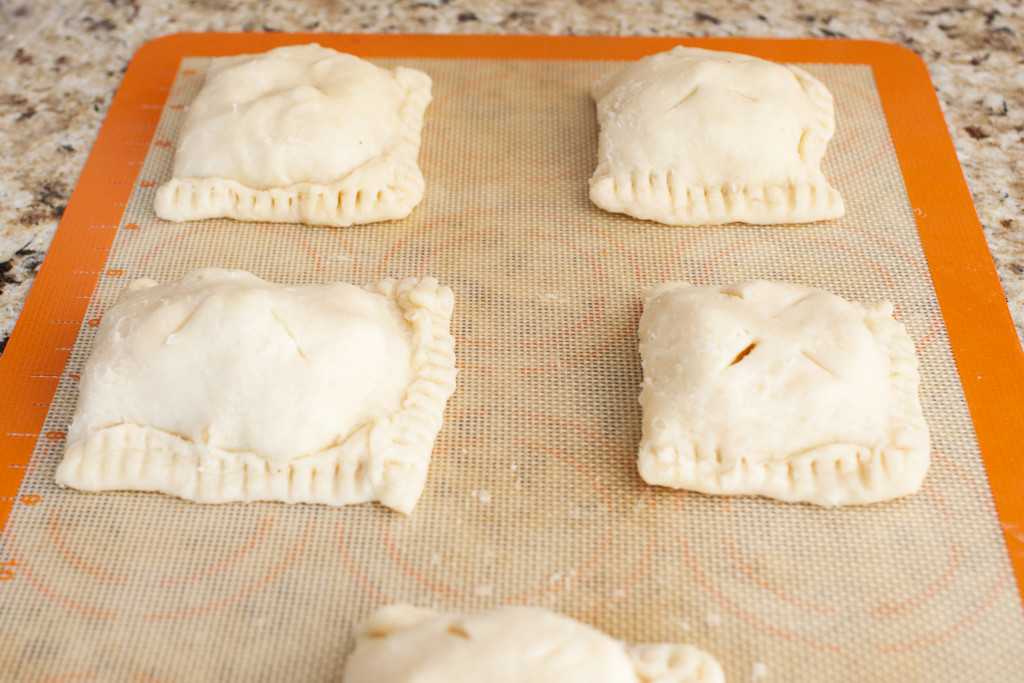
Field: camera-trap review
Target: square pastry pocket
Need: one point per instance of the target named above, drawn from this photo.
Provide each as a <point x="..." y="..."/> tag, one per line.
<point x="223" y="387"/>
<point x="698" y="137"/>
<point x="299" y="134"/>
<point x="779" y="390"/>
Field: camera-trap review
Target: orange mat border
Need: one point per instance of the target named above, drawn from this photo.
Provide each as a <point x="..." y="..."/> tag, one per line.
<point x="983" y="338"/>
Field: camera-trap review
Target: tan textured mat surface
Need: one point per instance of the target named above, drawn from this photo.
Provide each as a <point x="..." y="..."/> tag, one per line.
<point x="533" y="496"/>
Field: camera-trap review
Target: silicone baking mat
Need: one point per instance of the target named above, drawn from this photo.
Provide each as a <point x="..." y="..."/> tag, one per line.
<point x="532" y="496"/>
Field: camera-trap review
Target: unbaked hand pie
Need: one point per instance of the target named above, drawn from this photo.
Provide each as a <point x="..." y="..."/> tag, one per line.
<point x="223" y="387"/>
<point x="299" y="134"/>
<point x="779" y="390"/>
<point x="696" y="137"/>
<point x="405" y="644"/>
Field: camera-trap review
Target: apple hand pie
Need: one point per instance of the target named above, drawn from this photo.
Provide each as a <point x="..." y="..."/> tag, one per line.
<point x="299" y="134"/>
<point x="700" y="137"/>
<point x="779" y="390"/>
<point x="223" y="387"/>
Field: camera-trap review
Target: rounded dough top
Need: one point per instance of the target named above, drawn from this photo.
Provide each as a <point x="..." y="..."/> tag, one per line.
<point x="763" y="369"/>
<point x="746" y="120"/>
<point x="238" y="364"/>
<point x="295" y="114"/>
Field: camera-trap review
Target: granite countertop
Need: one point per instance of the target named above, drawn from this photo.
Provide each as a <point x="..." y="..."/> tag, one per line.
<point x="61" y="62"/>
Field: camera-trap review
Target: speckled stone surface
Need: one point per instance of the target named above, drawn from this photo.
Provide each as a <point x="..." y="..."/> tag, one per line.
<point x="61" y="62"/>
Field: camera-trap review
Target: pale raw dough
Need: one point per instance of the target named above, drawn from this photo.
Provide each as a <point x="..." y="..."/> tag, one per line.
<point x="223" y="387"/>
<point x="694" y="136"/>
<point x="779" y="390"/>
<point x="299" y="134"/>
<point x="405" y="644"/>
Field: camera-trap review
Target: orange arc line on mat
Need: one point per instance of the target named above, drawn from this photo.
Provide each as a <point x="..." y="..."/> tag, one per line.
<point x="753" y="575"/>
<point x="834" y="150"/>
<point x="72" y="557"/>
<point x="594" y="264"/>
<point x="226" y="562"/>
<point x="451" y="242"/>
<point x="936" y="318"/>
<point x="576" y="360"/>
<point x="677" y="499"/>
<point x="879" y="155"/>
<point x="444" y="245"/>
<point x="595" y="481"/>
<point x="413" y="572"/>
<point x="838" y="146"/>
<point x="886" y="275"/>
<point x="723" y="253"/>
<point x="469" y="412"/>
<point x="969" y="620"/>
<point x="967" y="479"/>
<point x="680" y="248"/>
<point x="462" y="339"/>
<point x="432" y="160"/>
<point x="586" y="433"/>
<point x="597" y="311"/>
<point x="593" y="436"/>
<point x="443" y="136"/>
<point x="67" y="678"/>
<point x="293" y="553"/>
<point x="933" y="495"/>
<point x="578" y="147"/>
<point x="353" y="255"/>
<point x="619" y="247"/>
<point x="417" y="576"/>
<point x="889" y="244"/>
<point x="59" y="598"/>
<point x="742" y="613"/>
<point x="582" y="169"/>
<point x="153" y="251"/>
<point x="928" y="593"/>
<point x="631" y="582"/>
<point x="569" y="578"/>
<point x="354" y="571"/>
<point x="442" y="101"/>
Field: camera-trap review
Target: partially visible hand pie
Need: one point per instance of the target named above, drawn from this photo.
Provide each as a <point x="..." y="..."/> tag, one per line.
<point x="404" y="644"/>
<point x="695" y="137"/>
<point x="779" y="390"/>
<point x="223" y="387"/>
<point x="299" y="134"/>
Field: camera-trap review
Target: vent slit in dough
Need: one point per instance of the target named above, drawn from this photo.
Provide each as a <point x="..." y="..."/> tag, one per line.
<point x="299" y="134"/>
<point x="223" y="387"/>
<point x="696" y="137"/>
